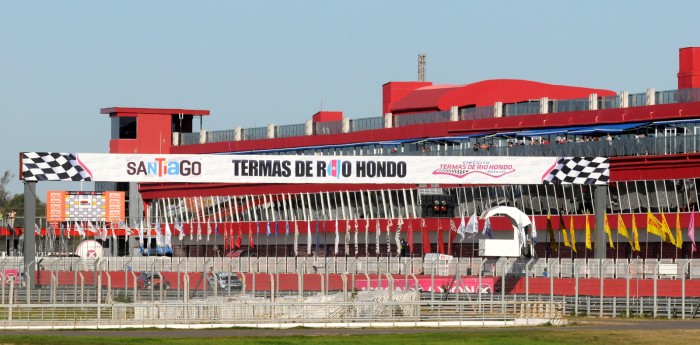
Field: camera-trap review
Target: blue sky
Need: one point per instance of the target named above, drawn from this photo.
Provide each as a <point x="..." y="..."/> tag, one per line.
<point x="257" y="62"/>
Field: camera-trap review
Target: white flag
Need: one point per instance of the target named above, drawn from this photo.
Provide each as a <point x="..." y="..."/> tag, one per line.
<point x="103" y="231"/>
<point x="377" y="232"/>
<point x="397" y="238"/>
<point x="462" y="228"/>
<point x="168" y="235"/>
<point x="488" y="231"/>
<point x="534" y="231"/>
<point x="337" y="237"/>
<point x="179" y="227"/>
<point x="80" y="230"/>
<point x="296" y="237"/>
<point x="357" y="245"/>
<point x="308" y="236"/>
<point x="473" y="224"/>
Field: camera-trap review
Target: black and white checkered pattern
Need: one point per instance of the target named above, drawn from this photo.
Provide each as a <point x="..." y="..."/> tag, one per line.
<point x="52" y="166"/>
<point x="580" y="170"/>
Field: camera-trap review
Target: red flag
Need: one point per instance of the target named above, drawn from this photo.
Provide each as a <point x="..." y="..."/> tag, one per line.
<point x="426" y="237"/>
<point x="410" y="235"/>
<point x="440" y="243"/>
<point x="453" y="235"/>
<point x="250" y="235"/>
<point x="225" y="238"/>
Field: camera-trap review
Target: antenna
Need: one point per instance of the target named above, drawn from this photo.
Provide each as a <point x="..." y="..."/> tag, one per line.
<point x="421" y="67"/>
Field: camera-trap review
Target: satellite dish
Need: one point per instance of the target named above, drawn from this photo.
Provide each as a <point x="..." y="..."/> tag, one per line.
<point x="89" y="249"/>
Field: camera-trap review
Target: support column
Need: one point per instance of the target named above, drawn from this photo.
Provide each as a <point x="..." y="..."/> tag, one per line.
<point x="600" y="198"/>
<point x="29" y="249"/>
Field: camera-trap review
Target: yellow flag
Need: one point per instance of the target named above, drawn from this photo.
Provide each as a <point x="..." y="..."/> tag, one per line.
<point x="564" y="232"/>
<point x="589" y="245"/>
<point x="622" y="229"/>
<point x="666" y="230"/>
<point x="573" y="234"/>
<point x="654" y="226"/>
<point x="635" y="234"/>
<point x="608" y="231"/>
<point x="679" y="234"/>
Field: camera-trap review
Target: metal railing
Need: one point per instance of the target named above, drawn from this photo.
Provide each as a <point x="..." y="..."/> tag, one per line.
<point x="220" y="136"/>
<point x="365" y="124"/>
<point x="254" y="133"/>
<point x="472" y="113"/>
<point x="287" y="131"/>
<point x="421" y="118"/>
<point x="331" y="127"/>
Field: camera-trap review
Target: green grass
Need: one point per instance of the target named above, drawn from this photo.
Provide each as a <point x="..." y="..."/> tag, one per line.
<point x="497" y="337"/>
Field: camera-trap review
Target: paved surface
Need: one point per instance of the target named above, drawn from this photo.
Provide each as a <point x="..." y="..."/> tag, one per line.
<point x="574" y="324"/>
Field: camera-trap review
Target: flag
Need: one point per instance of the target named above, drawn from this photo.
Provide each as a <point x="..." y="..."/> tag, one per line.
<point x="239" y="239"/>
<point x="589" y="245"/>
<point x="397" y="238"/>
<point x="426" y="237"/>
<point x="37" y="229"/>
<point x="521" y="235"/>
<point x="564" y="232"/>
<point x="462" y="228"/>
<point x="679" y="233"/>
<point x="410" y="236"/>
<point x="654" y="226"/>
<point x="80" y="230"/>
<point x="691" y="230"/>
<point x="357" y="244"/>
<point x="668" y="236"/>
<point x="318" y="240"/>
<point x="92" y="228"/>
<point x="337" y="236"/>
<point x="377" y="233"/>
<point x="550" y="233"/>
<point x="573" y="234"/>
<point x="533" y="230"/>
<point x="622" y="230"/>
<point x="277" y="228"/>
<point x="607" y="230"/>
<point x="473" y="224"/>
<point x="308" y="236"/>
<point x="286" y="225"/>
<point x="441" y="243"/>
<point x="168" y="235"/>
<point x="389" y="224"/>
<point x="180" y="229"/>
<point x="296" y="238"/>
<point x="267" y="229"/>
<point x="208" y="230"/>
<point x="635" y="233"/>
<point x="451" y="236"/>
<point x="251" y="243"/>
<point x="488" y="229"/>
<point x="103" y="231"/>
<point x="141" y="234"/>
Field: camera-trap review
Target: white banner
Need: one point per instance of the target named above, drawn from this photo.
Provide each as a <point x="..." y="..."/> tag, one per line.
<point x="145" y="168"/>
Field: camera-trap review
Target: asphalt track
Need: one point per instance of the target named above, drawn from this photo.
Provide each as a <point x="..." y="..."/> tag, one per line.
<point x="574" y="325"/>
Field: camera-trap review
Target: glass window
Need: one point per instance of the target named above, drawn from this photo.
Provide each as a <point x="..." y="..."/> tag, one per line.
<point x="123" y="127"/>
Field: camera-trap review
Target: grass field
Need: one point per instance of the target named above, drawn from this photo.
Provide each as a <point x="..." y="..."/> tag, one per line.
<point x="509" y="336"/>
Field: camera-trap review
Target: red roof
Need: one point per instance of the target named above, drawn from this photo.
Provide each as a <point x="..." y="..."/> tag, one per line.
<point x="486" y="93"/>
<point x="165" y="111"/>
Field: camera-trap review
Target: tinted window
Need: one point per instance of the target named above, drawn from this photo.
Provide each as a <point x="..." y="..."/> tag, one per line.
<point x="123" y="127"/>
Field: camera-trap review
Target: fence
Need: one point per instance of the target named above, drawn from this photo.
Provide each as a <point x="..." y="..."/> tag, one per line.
<point x="607" y="287"/>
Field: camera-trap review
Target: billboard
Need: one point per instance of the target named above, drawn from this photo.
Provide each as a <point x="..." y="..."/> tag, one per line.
<point x="145" y="168"/>
<point x="63" y="206"/>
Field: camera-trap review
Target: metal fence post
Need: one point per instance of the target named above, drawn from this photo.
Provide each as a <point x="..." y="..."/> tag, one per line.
<point x="656" y="274"/>
<point x="601" y="265"/>
<point x="685" y="268"/>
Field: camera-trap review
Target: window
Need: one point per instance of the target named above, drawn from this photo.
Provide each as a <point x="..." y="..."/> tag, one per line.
<point x="123" y="127"/>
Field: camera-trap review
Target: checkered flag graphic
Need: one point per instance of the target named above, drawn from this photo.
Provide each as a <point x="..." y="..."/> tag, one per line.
<point x="52" y="166"/>
<point x="580" y="170"/>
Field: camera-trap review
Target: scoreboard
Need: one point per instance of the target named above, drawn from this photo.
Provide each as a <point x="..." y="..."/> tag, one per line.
<point x="63" y="206"/>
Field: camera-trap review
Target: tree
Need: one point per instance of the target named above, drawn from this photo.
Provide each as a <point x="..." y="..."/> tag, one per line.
<point x="15" y="202"/>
